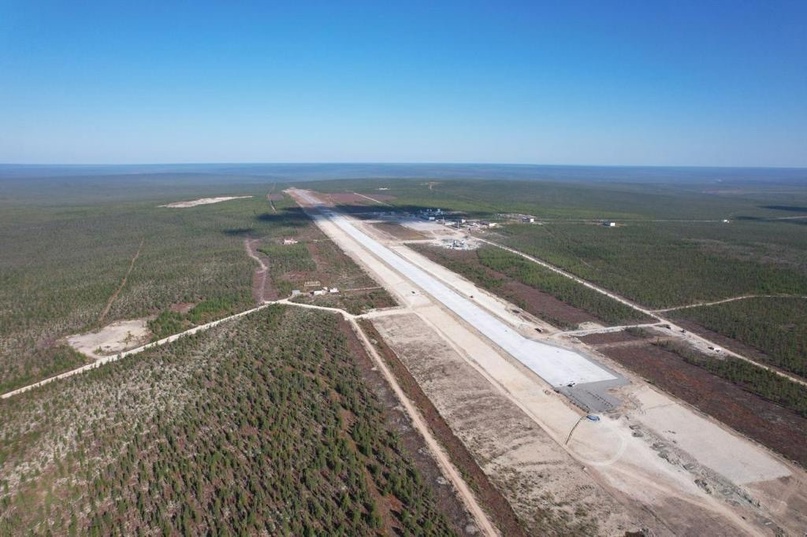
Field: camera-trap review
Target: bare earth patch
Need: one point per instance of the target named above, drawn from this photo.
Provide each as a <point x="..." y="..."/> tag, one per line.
<point x="548" y="491"/>
<point x="202" y="201"/>
<point x="114" y="338"/>
<point x="399" y="232"/>
<point x="355" y="198"/>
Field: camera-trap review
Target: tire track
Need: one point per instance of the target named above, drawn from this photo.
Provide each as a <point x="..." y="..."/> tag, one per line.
<point x="122" y="284"/>
<point x="258" y="294"/>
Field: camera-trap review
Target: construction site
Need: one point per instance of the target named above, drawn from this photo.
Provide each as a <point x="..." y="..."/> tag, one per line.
<point x="556" y="425"/>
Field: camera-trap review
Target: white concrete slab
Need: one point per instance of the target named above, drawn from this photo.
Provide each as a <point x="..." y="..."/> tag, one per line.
<point x="555" y="365"/>
<point x="707" y="442"/>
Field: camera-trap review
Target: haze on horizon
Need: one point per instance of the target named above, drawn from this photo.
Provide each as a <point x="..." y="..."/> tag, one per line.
<point x="680" y="83"/>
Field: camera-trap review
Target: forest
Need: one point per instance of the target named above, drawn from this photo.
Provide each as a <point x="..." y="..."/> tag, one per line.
<point x="776" y="326"/>
<point x="63" y="264"/>
<point x="662" y="264"/>
<point x="225" y="432"/>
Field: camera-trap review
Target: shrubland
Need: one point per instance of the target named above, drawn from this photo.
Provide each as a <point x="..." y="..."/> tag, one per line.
<point x="260" y="425"/>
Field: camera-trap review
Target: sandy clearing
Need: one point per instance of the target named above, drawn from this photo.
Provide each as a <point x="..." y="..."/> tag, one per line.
<point x="705" y="441"/>
<point x="373" y="199"/>
<point x="616" y="459"/>
<point x="114" y="338"/>
<point x="201" y="201"/>
<point x="102" y="360"/>
<point x="533" y="472"/>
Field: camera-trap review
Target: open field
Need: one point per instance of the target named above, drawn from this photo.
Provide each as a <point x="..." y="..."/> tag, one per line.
<point x="300" y="446"/>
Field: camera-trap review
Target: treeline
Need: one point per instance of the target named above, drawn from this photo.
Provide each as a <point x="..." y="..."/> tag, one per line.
<point x="40" y="364"/>
<point x="775" y="326"/>
<point x="261" y="426"/>
<point x="759" y="381"/>
<point x="561" y="287"/>
<point x="665" y="264"/>
<point x="492" y="268"/>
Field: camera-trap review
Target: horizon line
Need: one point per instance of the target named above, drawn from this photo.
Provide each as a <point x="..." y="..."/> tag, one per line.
<point x="392" y="163"/>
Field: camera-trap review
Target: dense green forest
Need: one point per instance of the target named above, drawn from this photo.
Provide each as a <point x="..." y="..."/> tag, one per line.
<point x="62" y="265"/>
<point x="259" y="426"/>
<point x="565" y="199"/>
<point x="775" y="326"/>
<point x="664" y="264"/>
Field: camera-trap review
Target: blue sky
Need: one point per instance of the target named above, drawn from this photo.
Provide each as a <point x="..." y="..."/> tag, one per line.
<point x="603" y="82"/>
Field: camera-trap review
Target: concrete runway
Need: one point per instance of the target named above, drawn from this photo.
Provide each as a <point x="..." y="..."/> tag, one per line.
<point x="557" y="366"/>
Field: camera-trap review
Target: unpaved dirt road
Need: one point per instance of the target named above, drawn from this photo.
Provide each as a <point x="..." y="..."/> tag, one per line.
<point x="259" y="280"/>
<point x="699" y="342"/>
<point x="438" y="453"/>
<point x="122" y="283"/>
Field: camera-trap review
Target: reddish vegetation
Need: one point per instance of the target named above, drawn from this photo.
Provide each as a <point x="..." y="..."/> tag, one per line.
<point x="779" y="429"/>
<point x="609" y="337"/>
<point x="496" y="505"/>
<point x="544" y="305"/>
<point x="398" y="231"/>
<point x="538" y="303"/>
<point x="728" y="343"/>
<point x="412" y="442"/>
<point x="182" y="307"/>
